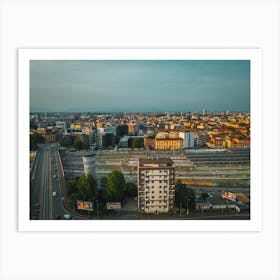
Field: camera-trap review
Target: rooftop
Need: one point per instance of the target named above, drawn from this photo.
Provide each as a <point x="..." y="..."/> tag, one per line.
<point x="165" y="161"/>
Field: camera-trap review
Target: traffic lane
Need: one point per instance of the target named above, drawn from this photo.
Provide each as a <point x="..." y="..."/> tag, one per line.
<point x="57" y="200"/>
<point x="46" y="185"/>
<point x="58" y="208"/>
<point x="36" y="185"/>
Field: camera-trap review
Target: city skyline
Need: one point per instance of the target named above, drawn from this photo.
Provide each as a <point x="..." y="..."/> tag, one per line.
<point x="139" y="85"/>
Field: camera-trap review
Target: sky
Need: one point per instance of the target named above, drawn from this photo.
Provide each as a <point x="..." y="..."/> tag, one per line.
<point x="139" y="85"/>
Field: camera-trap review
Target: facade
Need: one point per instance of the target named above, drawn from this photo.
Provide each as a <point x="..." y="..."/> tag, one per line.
<point x="88" y="161"/>
<point x="188" y="139"/>
<point x="105" y="137"/>
<point x="121" y="130"/>
<point x="168" y="141"/>
<point x="50" y="135"/>
<point x="156" y="186"/>
<point x="149" y="143"/>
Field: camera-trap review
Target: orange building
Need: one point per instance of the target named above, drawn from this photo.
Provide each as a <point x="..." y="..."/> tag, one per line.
<point x="168" y="141"/>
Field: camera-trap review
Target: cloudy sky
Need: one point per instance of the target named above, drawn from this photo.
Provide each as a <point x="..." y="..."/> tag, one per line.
<point x="139" y="86"/>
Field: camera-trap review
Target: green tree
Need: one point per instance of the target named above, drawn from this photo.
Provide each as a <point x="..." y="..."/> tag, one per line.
<point x="137" y="143"/>
<point x="115" y="187"/>
<point x="204" y="195"/>
<point x="103" y="182"/>
<point x="72" y="186"/>
<point x="102" y="195"/>
<point x="35" y="138"/>
<point x="87" y="187"/>
<point x="152" y="136"/>
<point x="184" y="196"/>
<point x="102" y="191"/>
<point x="130" y="190"/>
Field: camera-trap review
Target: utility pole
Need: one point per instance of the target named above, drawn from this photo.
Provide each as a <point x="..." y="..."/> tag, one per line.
<point x="97" y="212"/>
<point x="180" y="208"/>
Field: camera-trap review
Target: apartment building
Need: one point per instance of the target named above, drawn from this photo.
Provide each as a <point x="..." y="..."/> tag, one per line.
<point x="168" y="141"/>
<point x="156" y="185"/>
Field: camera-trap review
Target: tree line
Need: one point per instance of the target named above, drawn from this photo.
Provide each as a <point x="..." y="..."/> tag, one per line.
<point x="112" y="188"/>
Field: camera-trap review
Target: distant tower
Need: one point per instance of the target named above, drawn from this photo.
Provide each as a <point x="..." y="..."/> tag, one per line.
<point x="203" y="112"/>
<point x="88" y="161"/>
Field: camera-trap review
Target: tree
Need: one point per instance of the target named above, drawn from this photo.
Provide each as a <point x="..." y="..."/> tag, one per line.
<point x="115" y="186"/>
<point x="137" y="143"/>
<point x="72" y="186"/>
<point x="102" y="193"/>
<point x="35" y="138"/>
<point x="130" y="190"/>
<point x="103" y="182"/>
<point x="152" y="136"/>
<point x="204" y="195"/>
<point x="184" y="196"/>
<point x="87" y="187"/>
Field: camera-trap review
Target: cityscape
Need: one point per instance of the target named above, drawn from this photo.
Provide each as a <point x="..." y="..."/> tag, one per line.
<point x="140" y="140"/>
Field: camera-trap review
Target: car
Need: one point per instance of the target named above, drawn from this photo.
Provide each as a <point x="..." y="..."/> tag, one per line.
<point x="67" y="217"/>
<point x="54" y="176"/>
<point x="54" y="194"/>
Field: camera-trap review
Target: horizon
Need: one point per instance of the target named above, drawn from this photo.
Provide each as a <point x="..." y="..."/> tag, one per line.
<point x="139" y="112"/>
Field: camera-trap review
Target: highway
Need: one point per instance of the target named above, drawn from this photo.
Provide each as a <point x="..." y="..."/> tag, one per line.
<point x="45" y="194"/>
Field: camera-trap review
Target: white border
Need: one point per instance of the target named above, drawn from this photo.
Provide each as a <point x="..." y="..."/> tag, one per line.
<point x="254" y="55"/>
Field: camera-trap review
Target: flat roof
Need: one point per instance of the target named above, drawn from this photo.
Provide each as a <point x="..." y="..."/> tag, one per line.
<point x="155" y="161"/>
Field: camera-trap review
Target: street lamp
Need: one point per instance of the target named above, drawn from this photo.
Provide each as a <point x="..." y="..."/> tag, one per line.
<point x="97" y="213"/>
<point x="180" y="208"/>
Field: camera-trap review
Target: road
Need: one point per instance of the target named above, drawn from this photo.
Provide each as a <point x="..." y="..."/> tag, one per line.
<point x="44" y="204"/>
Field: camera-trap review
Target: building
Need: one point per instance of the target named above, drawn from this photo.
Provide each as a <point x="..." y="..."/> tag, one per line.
<point x="88" y="161"/>
<point x="188" y="139"/>
<point x="121" y="130"/>
<point x="168" y="141"/>
<point x="105" y="137"/>
<point x="50" y="135"/>
<point x="149" y="143"/>
<point x="60" y="124"/>
<point x="132" y="128"/>
<point x="156" y="185"/>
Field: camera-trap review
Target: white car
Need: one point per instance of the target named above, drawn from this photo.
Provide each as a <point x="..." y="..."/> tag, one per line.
<point x="67" y="217"/>
<point x="54" y="194"/>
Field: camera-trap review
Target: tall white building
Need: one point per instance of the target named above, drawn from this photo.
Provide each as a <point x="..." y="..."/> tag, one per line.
<point x="156" y="185"/>
<point x="188" y="139"/>
<point x="89" y="163"/>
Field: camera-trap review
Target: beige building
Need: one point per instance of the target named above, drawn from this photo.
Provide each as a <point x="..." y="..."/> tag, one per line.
<point x="168" y="141"/>
<point x="156" y="185"/>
